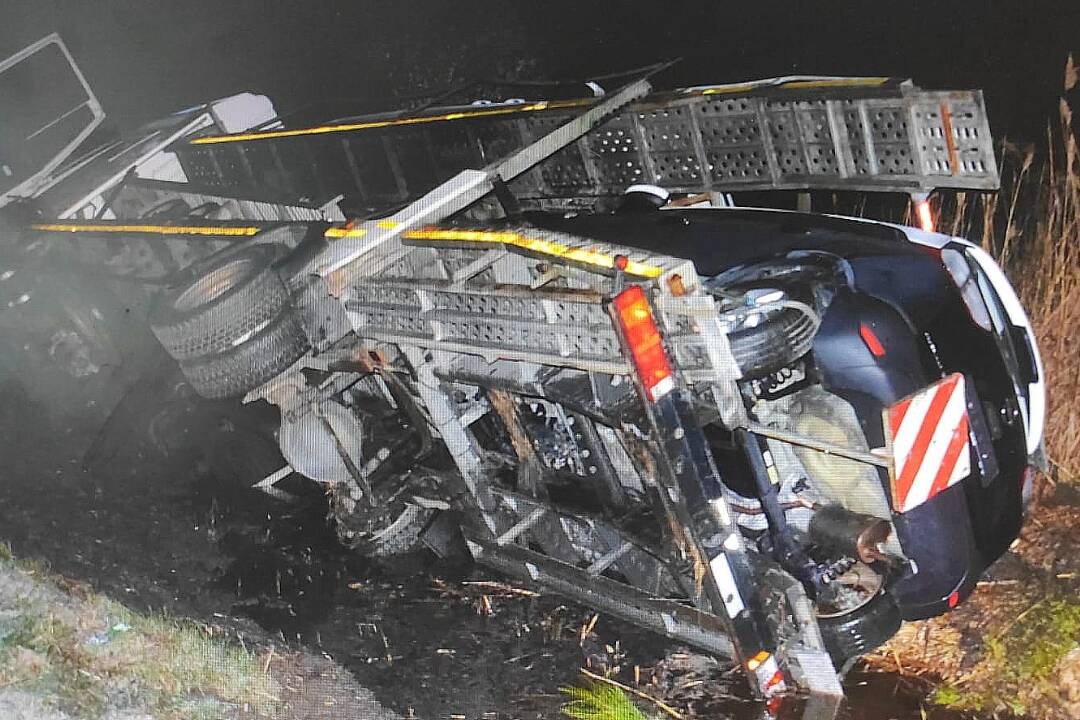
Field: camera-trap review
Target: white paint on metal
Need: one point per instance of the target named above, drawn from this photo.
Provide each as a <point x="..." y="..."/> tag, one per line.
<point x="725" y="580"/>
<point x="242" y="111"/>
<point x="33" y="182"/>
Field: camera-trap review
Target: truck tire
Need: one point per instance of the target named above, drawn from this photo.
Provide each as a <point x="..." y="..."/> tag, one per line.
<point x="250" y="363"/>
<point x="382" y="532"/>
<point x="401" y="536"/>
<point x="393" y="526"/>
<point x="235" y="298"/>
<point x="854" y="634"/>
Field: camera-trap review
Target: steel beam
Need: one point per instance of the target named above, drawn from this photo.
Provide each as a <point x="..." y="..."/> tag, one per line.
<point x="461" y="191"/>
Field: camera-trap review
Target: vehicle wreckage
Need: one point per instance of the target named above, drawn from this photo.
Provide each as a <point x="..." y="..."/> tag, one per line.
<point x="541" y="330"/>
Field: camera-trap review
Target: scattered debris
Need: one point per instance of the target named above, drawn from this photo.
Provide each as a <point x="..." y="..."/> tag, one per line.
<point x="588" y="627"/>
<point x="499" y="589"/>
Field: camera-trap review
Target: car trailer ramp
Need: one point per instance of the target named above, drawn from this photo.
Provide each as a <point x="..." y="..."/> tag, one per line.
<point x="863" y="134"/>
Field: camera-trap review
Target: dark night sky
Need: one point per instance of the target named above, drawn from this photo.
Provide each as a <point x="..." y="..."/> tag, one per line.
<point x="148" y="58"/>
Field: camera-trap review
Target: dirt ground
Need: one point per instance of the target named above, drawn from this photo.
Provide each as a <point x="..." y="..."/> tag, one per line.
<point x="158" y="537"/>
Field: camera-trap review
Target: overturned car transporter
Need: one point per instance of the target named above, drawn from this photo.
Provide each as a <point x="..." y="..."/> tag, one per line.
<point x="519" y="362"/>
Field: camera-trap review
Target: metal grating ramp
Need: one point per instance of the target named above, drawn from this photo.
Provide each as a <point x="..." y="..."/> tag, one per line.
<point x="890" y="138"/>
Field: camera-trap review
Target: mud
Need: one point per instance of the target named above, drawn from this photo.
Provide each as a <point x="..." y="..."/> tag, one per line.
<point x="161" y="532"/>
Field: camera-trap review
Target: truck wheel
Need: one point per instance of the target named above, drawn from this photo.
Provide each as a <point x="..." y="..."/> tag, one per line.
<point x="232" y="328"/>
<point x="401" y="536"/>
<point x="393" y="531"/>
<point x="851" y="635"/>
<point x="252" y="362"/>
<point x="235" y="298"/>
<point x="393" y="527"/>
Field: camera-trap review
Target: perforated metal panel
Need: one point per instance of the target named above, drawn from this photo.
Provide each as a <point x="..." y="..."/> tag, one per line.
<point x="419" y="301"/>
<point x="615" y="151"/>
<point x="898" y="143"/>
<point x="934" y="118"/>
<point x="731" y="133"/>
<point x="543" y="330"/>
<point x="890" y="138"/>
<point x="563" y="172"/>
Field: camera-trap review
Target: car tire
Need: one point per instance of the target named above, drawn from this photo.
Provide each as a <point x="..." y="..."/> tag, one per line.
<point x="854" y="634"/>
<point x="779" y="340"/>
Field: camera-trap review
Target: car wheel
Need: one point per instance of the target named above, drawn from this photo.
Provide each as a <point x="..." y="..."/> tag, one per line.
<point x="778" y="340"/>
<point x="847" y="636"/>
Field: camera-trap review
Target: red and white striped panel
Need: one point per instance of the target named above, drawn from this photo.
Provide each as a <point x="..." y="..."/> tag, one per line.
<point x="930" y="444"/>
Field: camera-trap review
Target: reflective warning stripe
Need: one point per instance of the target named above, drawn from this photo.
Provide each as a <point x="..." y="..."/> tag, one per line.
<point x="793" y="84"/>
<point x="350" y="231"/>
<point x="540" y="246"/>
<point x="930" y="442"/>
<point x="398" y="122"/>
<point x="213" y="230"/>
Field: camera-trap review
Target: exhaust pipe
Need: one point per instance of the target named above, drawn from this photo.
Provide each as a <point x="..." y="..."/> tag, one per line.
<point x="836" y="529"/>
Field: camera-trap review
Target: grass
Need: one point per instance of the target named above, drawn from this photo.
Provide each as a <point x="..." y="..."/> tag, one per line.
<point x="86" y="654"/>
<point x="598" y="701"/>
<point x="1019" y="670"/>
<point x="185" y="660"/>
<point x="39" y="655"/>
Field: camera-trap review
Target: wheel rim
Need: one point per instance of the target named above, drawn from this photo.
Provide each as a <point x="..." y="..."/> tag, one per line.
<point x="410" y="515"/>
<point x="855" y="595"/>
<point x="213" y="284"/>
